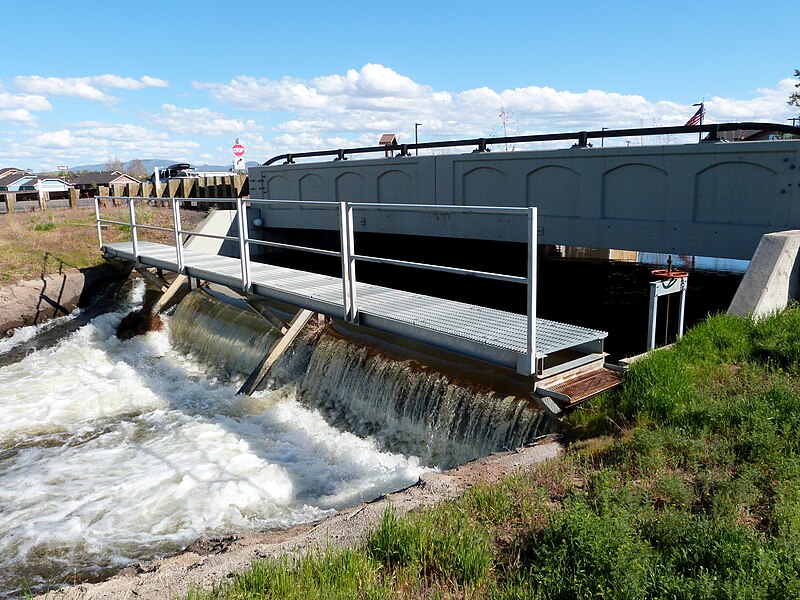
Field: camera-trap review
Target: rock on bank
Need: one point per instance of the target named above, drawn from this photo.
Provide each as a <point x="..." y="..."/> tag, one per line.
<point x="35" y="301"/>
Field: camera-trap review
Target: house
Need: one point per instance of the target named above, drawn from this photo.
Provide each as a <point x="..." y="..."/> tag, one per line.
<point x="749" y="135"/>
<point x="19" y="182"/>
<point x="88" y="182"/>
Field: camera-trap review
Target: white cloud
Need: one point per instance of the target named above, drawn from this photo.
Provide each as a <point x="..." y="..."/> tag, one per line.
<point x="360" y="104"/>
<point x="87" y="88"/>
<point x="26" y="101"/>
<point x="18" y="115"/>
<point x="93" y="141"/>
<point x="190" y="121"/>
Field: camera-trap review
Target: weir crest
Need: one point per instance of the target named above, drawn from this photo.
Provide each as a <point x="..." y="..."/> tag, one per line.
<point x="405" y="405"/>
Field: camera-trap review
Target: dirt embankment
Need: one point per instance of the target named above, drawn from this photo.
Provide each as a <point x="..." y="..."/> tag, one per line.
<point x="208" y="562"/>
<point x="35" y="301"/>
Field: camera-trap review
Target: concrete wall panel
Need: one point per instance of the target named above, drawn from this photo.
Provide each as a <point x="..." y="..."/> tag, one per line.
<point x="738" y="193"/>
<point x="708" y="199"/>
<point x="555" y="190"/>
<point x="637" y="192"/>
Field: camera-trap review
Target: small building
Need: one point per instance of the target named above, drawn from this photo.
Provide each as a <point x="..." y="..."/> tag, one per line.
<point x="388" y="139"/>
<point x="88" y="182"/>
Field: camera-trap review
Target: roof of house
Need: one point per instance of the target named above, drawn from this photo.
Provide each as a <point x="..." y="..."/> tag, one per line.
<point x="5" y="171"/>
<point x="26" y="182"/>
<point x="12" y="178"/>
<point x="103" y="178"/>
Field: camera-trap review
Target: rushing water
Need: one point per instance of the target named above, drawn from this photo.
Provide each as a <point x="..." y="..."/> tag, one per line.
<point x="114" y="452"/>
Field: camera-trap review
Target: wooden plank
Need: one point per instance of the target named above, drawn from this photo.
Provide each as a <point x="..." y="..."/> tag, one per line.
<point x="260" y="306"/>
<point x="167" y="295"/>
<point x="278" y="348"/>
<point x="157" y="281"/>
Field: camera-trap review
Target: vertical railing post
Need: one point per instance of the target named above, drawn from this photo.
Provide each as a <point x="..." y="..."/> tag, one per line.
<point x="652" y="316"/>
<point x="176" y="219"/>
<point x="682" y="306"/>
<point x="244" y="246"/>
<point x="97" y="220"/>
<point x="531" y="305"/>
<point x="134" y="234"/>
<point x="349" y="299"/>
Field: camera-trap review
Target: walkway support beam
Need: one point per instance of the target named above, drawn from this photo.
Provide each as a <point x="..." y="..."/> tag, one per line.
<point x="276" y="351"/>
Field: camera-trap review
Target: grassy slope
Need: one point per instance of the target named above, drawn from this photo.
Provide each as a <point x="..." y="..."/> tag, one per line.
<point x="39" y="243"/>
<point x="684" y="484"/>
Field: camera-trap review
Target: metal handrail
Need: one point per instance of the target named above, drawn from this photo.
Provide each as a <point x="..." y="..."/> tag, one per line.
<point x="581" y="139"/>
<point x="347" y="253"/>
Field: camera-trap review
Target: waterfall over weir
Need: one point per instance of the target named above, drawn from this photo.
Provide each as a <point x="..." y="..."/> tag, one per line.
<point x="115" y="452"/>
<point x="406" y="406"/>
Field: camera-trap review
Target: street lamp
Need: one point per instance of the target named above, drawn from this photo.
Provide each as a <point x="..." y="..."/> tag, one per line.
<point x="602" y="137"/>
<point x="416" y="138"/>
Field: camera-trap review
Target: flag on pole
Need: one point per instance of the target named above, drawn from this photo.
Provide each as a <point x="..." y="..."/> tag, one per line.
<point x="697" y="118"/>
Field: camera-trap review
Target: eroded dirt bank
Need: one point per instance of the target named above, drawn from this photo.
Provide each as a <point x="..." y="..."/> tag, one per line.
<point x="36" y="301"/>
<point x="207" y="562"/>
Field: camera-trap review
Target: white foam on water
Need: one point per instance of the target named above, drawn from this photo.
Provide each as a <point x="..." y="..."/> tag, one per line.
<point x="113" y="452"/>
<point x="20" y="335"/>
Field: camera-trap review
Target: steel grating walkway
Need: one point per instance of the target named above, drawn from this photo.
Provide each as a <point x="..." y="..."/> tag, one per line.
<point x="492" y="335"/>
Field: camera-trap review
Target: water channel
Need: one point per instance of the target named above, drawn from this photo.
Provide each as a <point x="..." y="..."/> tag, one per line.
<point x="115" y="452"/>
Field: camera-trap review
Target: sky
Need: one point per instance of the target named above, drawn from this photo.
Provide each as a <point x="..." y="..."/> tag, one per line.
<point x="85" y="82"/>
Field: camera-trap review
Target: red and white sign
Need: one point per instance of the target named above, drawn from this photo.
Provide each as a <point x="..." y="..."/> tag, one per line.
<point x="238" y="150"/>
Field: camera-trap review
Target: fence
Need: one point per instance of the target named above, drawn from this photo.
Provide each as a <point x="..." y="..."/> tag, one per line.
<point x="227" y="186"/>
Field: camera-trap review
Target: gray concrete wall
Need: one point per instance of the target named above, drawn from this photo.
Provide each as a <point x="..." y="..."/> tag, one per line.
<point x="772" y="279"/>
<point x="707" y="199"/>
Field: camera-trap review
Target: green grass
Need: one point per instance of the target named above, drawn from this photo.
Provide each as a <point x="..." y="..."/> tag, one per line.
<point x="685" y="483"/>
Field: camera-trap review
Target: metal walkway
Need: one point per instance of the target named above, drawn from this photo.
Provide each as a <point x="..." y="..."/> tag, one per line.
<point x="521" y="342"/>
<point x="487" y="334"/>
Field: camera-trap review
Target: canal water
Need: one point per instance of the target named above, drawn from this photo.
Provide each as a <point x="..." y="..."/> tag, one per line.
<point x="115" y="452"/>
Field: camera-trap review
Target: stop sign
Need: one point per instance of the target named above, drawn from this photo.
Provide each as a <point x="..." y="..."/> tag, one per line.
<point x="238" y="150"/>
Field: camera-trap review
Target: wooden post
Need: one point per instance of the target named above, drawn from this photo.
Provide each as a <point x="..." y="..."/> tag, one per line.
<point x="74" y="194"/>
<point x="173" y="184"/>
<point x="278" y="348"/>
<point x="11" y="199"/>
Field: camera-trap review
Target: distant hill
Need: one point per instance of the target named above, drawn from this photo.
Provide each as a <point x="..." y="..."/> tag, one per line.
<point x="152" y="163"/>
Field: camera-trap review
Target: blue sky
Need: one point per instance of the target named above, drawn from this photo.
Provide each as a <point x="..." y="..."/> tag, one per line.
<point x="85" y="82"/>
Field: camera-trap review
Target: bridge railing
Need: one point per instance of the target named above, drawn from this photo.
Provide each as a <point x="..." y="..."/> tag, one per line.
<point x="347" y="253"/>
<point x="580" y="139"/>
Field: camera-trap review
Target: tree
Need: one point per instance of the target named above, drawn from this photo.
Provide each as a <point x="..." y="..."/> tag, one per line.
<point x="794" y="97"/>
<point x="114" y="164"/>
<point x="137" y="170"/>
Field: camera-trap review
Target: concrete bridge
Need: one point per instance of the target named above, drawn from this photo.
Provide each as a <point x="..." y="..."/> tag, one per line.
<point x="711" y="198"/>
